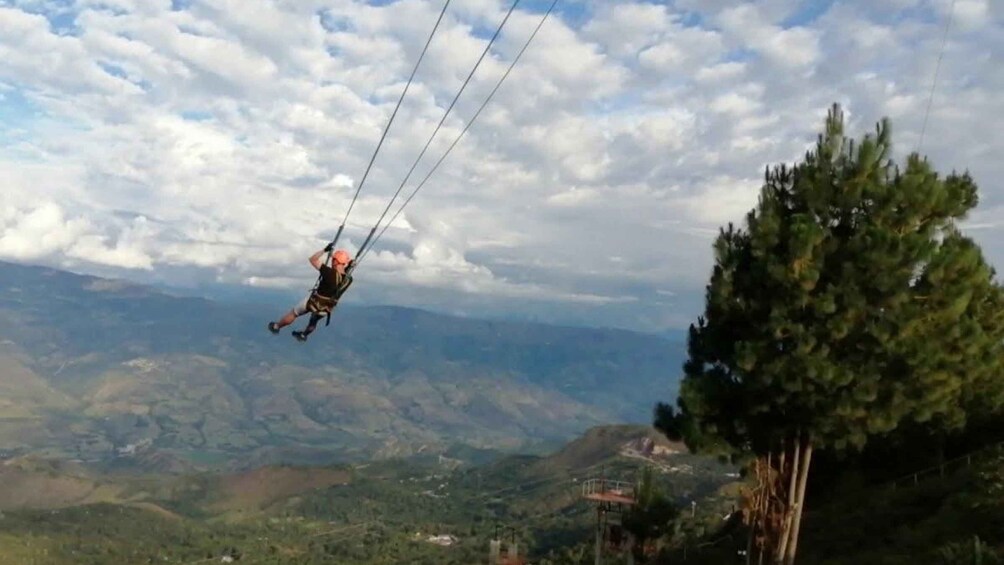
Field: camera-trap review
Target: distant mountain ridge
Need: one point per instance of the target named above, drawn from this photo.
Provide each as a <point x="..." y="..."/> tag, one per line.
<point x="96" y="368"/>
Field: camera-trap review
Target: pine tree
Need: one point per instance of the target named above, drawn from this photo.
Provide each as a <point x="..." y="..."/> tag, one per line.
<point x="652" y="515"/>
<point x="850" y="303"/>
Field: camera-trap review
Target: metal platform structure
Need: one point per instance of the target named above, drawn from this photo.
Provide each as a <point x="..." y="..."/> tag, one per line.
<point x="606" y="490"/>
<point x="497" y="555"/>
<point x="611" y="498"/>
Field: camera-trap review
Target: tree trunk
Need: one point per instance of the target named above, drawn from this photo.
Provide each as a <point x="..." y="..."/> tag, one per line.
<point x="768" y="529"/>
<point x="756" y="506"/>
<point x="803" y="478"/>
<point x="749" y="547"/>
<point x="782" y="545"/>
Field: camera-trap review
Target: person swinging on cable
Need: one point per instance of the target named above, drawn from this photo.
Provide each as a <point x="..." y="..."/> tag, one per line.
<point x="332" y="283"/>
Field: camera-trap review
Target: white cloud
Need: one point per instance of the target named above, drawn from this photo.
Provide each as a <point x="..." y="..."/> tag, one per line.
<point x="971" y="14"/>
<point x="790" y="48"/>
<point x="722" y="199"/>
<point x="32" y="233"/>
<point x="734" y="104"/>
<point x="625" y="29"/>
<point x="574" y="197"/>
<point x="720" y="72"/>
<point x="222" y="143"/>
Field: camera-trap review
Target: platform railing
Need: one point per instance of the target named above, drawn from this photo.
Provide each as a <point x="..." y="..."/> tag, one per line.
<point x="607" y="486"/>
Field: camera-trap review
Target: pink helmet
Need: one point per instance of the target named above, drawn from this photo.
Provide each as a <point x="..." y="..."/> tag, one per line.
<point x="341" y="257"/>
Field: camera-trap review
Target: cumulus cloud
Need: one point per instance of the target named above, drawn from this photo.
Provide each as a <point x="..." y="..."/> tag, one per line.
<point x="220" y="142"/>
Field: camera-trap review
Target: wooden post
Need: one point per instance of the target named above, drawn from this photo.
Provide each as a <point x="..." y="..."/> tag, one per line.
<point x="803" y="476"/>
<point x="597" y="558"/>
<point x="493" y="552"/>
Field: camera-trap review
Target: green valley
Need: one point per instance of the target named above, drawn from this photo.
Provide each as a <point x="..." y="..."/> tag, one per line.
<point x="376" y="512"/>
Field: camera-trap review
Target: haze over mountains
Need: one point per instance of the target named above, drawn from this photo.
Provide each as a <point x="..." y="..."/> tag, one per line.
<point x="99" y="369"/>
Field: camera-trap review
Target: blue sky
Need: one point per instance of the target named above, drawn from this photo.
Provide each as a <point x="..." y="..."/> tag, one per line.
<point x="16" y="111"/>
<point x="213" y="144"/>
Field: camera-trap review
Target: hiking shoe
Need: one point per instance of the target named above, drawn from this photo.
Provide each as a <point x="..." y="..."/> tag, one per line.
<point x="273" y="327"/>
<point x="300" y="336"/>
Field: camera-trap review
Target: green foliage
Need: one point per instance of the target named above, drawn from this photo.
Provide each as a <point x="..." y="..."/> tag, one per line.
<point x="849" y="304"/>
<point x="926" y="523"/>
<point x="972" y="553"/>
<point x="372" y="519"/>
<point x="934" y="521"/>
<point x="653" y="514"/>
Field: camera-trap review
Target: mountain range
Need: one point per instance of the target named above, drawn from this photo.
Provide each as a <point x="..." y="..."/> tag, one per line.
<point x="102" y="369"/>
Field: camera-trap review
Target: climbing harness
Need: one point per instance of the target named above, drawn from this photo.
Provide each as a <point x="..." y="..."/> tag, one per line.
<point x="322" y="305"/>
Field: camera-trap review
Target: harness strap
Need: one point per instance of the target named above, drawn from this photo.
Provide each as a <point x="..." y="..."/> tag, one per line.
<point x="323" y="305"/>
<point x="319" y="304"/>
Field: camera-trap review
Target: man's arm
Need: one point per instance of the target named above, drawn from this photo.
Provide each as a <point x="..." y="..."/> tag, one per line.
<point x="315" y="259"/>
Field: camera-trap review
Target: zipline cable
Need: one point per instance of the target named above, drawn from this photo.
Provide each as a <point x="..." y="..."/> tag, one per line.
<point x="362" y="248"/>
<point x="937" y="67"/>
<point x="467" y="127"/>
<point x="389" y="122"/>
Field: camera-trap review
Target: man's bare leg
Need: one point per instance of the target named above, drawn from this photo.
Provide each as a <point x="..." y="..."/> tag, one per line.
<point x="285" y="321"/>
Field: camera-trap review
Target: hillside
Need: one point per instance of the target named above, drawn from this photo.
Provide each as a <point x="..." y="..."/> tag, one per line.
<point x="106" y="370"/>
<point x="615" y="451"/>
<point x="599" y="443"/>
<point x="374" y="512"/>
